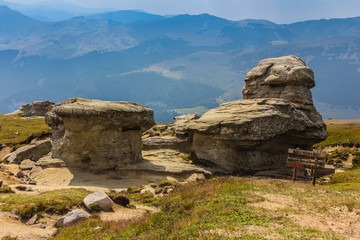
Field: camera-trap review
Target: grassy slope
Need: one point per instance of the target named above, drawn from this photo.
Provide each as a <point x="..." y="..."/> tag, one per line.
<point x="58" y="202"/>
<point x="342" y="134"/>
<point x="231" y="207"/>
<point x="25" y="127"/>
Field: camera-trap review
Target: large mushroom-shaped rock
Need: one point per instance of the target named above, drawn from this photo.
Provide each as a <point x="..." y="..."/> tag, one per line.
<point x="255" y="133"/>
<point x="35" y="109"/>
<point x="98" y="135"/>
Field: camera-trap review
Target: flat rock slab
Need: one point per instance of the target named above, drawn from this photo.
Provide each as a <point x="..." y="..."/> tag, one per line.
<point x="49" y="162"/>
<point x="32" y="151"/>
<point x="27" y="164"/>
<point x="166" y="162"/>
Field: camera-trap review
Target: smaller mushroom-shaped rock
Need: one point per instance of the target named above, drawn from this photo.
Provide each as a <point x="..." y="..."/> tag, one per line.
<point x="72" y="217"/>
<point x="98" y="135"/>
<point x="98" y="200"/>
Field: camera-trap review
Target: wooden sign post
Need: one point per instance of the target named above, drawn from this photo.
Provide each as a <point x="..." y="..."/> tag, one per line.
<point x="306" y="159"/>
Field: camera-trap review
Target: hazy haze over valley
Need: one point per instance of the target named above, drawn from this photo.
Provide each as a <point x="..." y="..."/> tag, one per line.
<point x="174" y="64"/>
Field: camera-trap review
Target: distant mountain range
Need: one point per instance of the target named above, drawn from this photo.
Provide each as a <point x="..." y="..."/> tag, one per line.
<point x="175" y="65"/>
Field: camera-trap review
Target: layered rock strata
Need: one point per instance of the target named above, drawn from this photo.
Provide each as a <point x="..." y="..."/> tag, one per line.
<point x="98" y="135"/>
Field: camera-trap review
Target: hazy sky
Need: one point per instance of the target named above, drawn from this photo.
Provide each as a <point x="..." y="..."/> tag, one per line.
<point x="279" y="11"/>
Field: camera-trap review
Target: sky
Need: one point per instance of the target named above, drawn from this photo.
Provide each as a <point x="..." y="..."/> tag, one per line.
<point x="278" y="11"/>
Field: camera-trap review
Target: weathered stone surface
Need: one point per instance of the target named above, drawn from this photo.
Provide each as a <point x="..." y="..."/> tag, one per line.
<point x="35" y="109"/>
<point x="285" y="77"/>
<point x="33" y="220"/>
<point x="172" y="136"/>
<point x="254" y="134"/>
<point x="32" y="151"/>
<point x="72" y="217"/>
<point x="49" y="162"/>
<point x="27" y="164"/>
<point x="98" y="135"/>
<point x="98" y="199"/>
<point x="20" y="174"/>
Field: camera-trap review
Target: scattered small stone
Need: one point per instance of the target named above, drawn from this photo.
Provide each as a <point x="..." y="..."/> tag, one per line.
<point x="122" y="190"/>
<point x="42" y="226"/>
<point x="200" y="177"/>
<point x="25" y="178"/>
<point x="20" y="174"/>
<point x="32" y="220"/>
<point x="16" y="133"/>
<point x="98" y="227"/>
<point x="145" y="190"/>
<point x="23" y="188"/>
<point x="168" y="189"/>
<point x="31" y="182"/>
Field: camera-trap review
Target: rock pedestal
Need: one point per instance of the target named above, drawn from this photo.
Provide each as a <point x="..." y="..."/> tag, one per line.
<point x="98" y="135"/>
<point x="255" y="133"/>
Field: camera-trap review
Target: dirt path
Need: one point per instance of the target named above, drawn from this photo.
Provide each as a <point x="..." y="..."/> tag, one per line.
<point x="10" y="226"/>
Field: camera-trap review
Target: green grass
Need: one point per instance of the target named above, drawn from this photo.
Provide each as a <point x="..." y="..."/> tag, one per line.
<point x="11" y="124"/>
<point x="56" y="202"/>
<point x="341" y="134"/>
<point x="226" y="208"/>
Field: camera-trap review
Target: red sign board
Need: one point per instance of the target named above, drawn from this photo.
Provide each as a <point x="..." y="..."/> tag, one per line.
<point x="293" y="164"/>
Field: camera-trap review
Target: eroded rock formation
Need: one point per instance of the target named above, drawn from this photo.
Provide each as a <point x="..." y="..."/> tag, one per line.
<point x="35" y="109"/>
<point x="255" y="133"/>
<point x="98" y="135"/>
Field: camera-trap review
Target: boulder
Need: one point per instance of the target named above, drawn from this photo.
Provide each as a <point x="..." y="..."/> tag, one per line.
<point x="27" y="164"/>
<point x="98" y="200"/>
<point x="98" y="135"/>
<point x="32" y="151"/>
<point x="72" y="217"/>
<point x="255" y="133"/>
<point x="35" y="109"/>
